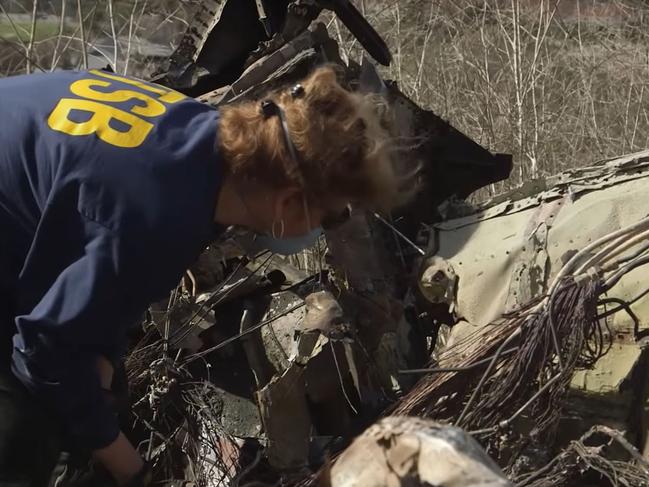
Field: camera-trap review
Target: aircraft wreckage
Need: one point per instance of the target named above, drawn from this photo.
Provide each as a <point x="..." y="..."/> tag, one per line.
<point x="494" y="344"/>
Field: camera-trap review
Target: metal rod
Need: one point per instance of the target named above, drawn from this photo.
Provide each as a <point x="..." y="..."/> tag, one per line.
<point x="507" y="422"/>
<point x="515" y="334"/>
<point x="392" y="227"/>
<point x="263" y="18"/>
<point x="340" y="379"/>
<point x="439" y="370"/>
<point x="227" y="341"/>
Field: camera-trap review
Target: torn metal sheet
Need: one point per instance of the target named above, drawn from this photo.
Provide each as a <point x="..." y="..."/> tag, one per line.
<point x="279" y="336"/>
<point x="264" y="72"/>
<point x="438" y="281"/>
<point x="316" y="372"/>
<point x="238" y="416"/>
<point x="610" y="393"/>
<point x="323" y="312"/>
<point x="530" y="274"/>
<point x="411" y="452"/>
<point x="487" y="253"/>
<point x="286" y="419"/>
<point x="504" y="259"/>
<point x="571" y="184"/>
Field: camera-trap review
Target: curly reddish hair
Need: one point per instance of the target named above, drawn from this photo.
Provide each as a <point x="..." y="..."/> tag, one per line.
<point x="343" y="149"/>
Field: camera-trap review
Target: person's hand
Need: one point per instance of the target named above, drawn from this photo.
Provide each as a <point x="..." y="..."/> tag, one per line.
<point x="121" y="460"/>
<point x="142" y="479"/>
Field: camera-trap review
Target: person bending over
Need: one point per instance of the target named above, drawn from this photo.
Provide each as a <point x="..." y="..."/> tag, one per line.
<point x="110" y="188"/>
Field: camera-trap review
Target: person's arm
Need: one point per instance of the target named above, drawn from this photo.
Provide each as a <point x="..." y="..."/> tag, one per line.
<point x="81" y="316"/>
<point x="120" y="459"/>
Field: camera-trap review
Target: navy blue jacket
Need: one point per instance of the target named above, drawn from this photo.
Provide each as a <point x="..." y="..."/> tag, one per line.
<point x="108" y="188"/>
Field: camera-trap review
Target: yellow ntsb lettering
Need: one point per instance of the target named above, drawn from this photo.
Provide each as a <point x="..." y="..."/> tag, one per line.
<point x="98" y="103"/>
<point x="99" y="122"/>
<point x="83" y="88"/>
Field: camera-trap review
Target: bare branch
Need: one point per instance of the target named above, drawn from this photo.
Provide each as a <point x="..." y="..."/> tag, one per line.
<point x="111" y="19"/>
<point x="55" y="54"/>
<point x="84" y="47"/>
<point x="32" y="34"/>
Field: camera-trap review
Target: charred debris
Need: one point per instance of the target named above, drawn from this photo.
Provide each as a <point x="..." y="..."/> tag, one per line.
<point x="502" y="344"/>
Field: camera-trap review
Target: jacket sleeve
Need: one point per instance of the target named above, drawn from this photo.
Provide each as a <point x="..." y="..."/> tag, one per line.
<point x="82" y="315"/>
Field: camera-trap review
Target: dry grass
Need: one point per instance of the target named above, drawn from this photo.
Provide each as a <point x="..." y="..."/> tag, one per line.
<point x="36" y="35"/>
<point x="556" y="83"/>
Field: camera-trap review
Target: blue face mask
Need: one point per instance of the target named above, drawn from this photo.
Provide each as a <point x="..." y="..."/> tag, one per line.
<point x="286" y="246"/>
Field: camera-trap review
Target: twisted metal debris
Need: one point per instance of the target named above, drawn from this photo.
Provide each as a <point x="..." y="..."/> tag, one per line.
<point x="506" y="382"/>
<point x="586" y="458"/>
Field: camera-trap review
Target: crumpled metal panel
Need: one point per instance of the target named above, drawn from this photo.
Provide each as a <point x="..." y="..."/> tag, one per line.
<point x="238" y="416"/>
<point x="509" y="252"/>
<point x="261" y="75"/>
<point x="487" y="249"/>
<point x="410" y="452"/>
<point x="280" y="336"/>
<point x="316" y="378"/>
<point x="323" y="312"/>
<point x="530" y="273"/>
<point x="611" y="372"/>
<point x="286" y="419"/>
<point x="532" y="193"/>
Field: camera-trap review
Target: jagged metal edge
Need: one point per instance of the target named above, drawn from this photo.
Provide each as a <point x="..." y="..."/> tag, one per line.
<point x="200" y="27"/>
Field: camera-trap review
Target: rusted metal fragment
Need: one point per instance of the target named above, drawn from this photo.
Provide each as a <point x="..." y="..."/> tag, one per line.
<point x="237" y="415"/>
<point x="406" y="451"/>
<point x="279" y="336"/>
<point x="451" y="163"/>
<point x="265" y="72"/>
<point x="438" y="281"/>
<point x="217" y="43"/>
<point x="252" y="342"/>
<point x="286" y="420"/>
<point x="530" y="274"/>
<point x="323" y="312"/>
<point x="366" y="270"/>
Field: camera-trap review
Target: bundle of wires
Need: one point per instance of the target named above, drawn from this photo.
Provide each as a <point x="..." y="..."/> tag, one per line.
<point x="518" y="369"/>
